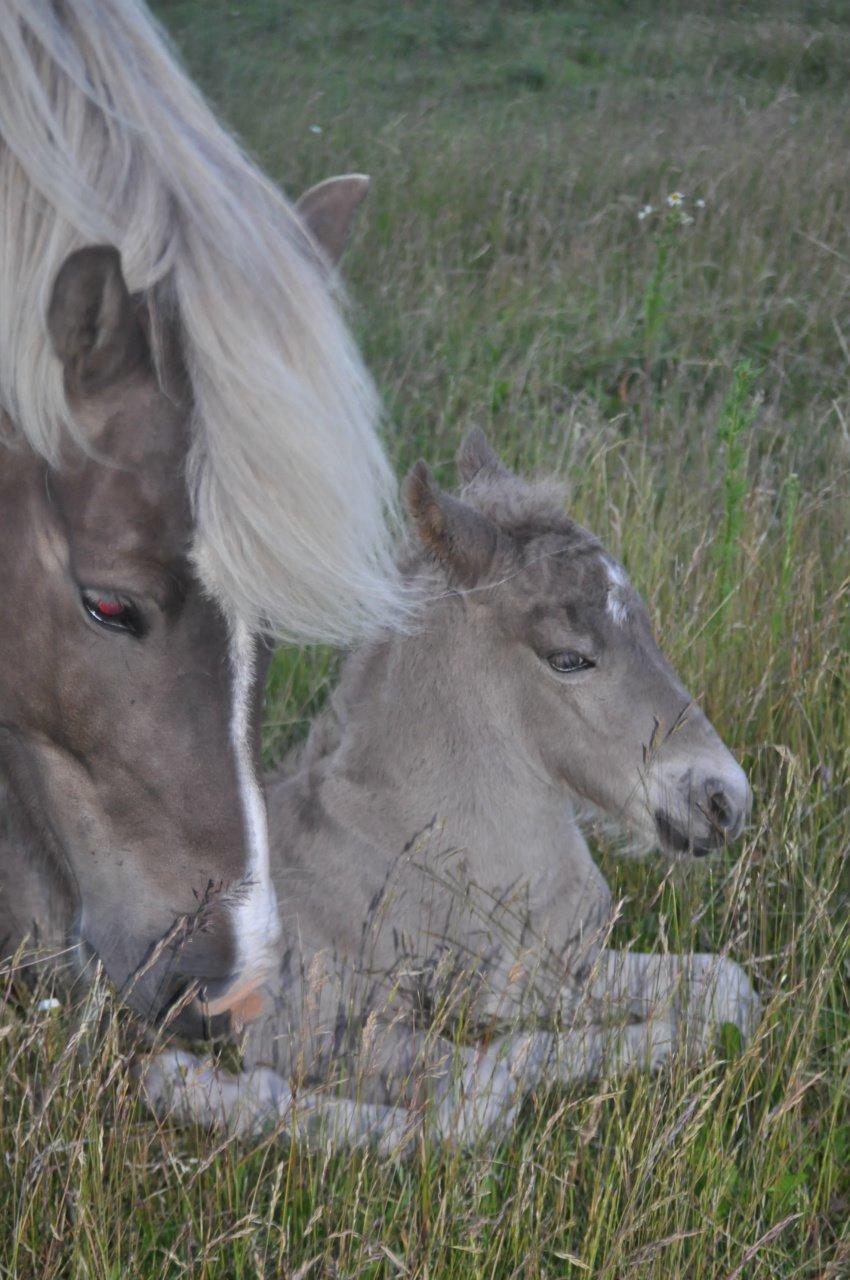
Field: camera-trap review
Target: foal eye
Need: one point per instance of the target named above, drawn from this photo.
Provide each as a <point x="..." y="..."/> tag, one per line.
<point x="566" y="661"/>
<point x="114" y="612"/>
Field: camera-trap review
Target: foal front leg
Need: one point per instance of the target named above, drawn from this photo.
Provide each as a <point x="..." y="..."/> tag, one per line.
<point x="189" y="1090"/>
<point x="695" y="992"/>
<point x="455" y="1093"/>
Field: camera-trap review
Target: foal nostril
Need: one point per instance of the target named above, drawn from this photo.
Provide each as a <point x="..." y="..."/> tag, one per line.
<point x="720" y="810"/>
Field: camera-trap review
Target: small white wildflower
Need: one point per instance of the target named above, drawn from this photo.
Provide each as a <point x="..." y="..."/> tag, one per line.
<point x="700" y="204"/>
<point x="685" y="219"/>
<point x="315" y="128"/>
<point x="645" y="212"/>
<point x="50" y="1003"/>
<point x="676" y="199"/>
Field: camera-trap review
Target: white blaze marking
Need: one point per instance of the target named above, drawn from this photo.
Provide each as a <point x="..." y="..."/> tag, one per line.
<point x="255" y="913"/>
<point x="618" y="602"/>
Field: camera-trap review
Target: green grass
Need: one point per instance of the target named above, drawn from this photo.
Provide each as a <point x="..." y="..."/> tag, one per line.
<point x="500" y="275"/>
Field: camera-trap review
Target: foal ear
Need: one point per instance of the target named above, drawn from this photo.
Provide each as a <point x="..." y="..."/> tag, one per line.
<point x="476" y="454"/>
<point x="328" y="209"/>
<point x="92" y="323"/>
<point x="461" y="539"/>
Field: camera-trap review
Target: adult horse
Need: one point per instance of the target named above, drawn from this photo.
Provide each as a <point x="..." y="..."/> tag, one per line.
<point x="426" y="850"/>
<point x="189" y="466"/>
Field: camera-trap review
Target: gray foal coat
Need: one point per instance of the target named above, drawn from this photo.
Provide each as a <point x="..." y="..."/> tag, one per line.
<point x="445" y="925"/>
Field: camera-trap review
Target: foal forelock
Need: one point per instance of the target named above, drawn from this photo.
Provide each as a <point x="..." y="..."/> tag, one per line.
<point x="104" y="139"/>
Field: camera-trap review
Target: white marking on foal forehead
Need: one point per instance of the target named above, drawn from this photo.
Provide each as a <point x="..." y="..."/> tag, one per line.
<point x="255" y="912"/>
<point x="618" y="591"/>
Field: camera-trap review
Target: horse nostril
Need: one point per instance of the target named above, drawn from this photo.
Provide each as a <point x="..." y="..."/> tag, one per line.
<point x="242" y="999"/>
<point x="212" y="992"/>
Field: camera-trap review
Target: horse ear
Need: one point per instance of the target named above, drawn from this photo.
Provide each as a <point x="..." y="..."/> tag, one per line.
<point x="476" y="454"/>
<point x="461" y="539"/>
<point x="328" y="209"/>
<point x="91" y="320"/>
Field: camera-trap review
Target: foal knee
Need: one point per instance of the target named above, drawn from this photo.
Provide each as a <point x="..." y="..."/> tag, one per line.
<point x="181" y="1087"/>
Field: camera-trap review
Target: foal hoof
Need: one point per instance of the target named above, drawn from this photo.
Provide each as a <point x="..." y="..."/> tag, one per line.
<point x="719" y="992"/>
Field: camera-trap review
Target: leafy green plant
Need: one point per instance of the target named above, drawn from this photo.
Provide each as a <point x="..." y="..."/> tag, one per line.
<point x="789" y="499"/>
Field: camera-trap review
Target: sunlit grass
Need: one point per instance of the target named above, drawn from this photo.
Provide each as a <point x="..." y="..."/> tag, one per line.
<point x="501" y="276"/>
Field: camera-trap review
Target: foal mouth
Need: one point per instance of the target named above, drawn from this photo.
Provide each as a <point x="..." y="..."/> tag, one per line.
<point x="678" y="841"/>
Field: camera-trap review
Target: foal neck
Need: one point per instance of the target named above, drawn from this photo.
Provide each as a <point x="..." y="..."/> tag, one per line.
<point x="428" y="721"/>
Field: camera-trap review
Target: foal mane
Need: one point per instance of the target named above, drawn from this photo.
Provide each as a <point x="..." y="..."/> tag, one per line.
<point x="520" y="506"/>
<point x="103" y="138"/>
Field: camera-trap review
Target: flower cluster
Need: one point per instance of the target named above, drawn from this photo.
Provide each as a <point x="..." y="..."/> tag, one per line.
<point x="677" y="214"/>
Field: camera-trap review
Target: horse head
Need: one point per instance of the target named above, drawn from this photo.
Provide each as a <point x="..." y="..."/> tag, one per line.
<point x="130" y="697"/>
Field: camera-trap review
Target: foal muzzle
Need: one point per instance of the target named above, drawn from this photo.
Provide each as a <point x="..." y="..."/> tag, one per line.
<point x="711" y="812"/>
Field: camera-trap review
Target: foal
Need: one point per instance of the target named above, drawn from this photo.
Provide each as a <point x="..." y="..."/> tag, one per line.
<point x="426" y="852"/>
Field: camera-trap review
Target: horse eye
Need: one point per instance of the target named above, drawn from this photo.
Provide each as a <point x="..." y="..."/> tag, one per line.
<point x="566" y="661"/>
<point x="114" y="612"/>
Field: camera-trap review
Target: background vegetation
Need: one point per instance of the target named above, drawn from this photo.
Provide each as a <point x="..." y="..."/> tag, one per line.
<point x="691" y="378"/>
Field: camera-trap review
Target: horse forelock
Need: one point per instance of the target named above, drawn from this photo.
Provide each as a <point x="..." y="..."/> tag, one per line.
<point x="103" y="138"/>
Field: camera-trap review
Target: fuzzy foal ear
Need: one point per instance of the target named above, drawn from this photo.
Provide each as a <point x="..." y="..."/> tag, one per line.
<point x="91" y="320"/>
<point x="461" y="539"/>
<point x="476" y="454"/>
<point x="328" y="209"/>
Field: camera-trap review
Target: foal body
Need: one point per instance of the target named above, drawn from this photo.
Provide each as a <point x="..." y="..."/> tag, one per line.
<point x="427" y="858"/>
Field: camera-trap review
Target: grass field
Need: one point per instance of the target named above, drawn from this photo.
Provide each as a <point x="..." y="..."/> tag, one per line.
<point x="691" y="379"/>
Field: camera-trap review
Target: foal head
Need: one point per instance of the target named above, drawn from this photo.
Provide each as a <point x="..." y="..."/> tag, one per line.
<point x="129" y="700"/>
<point x="553" y="630"/>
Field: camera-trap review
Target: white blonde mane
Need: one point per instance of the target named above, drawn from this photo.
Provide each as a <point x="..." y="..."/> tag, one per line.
<point x="103" y="138"/>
